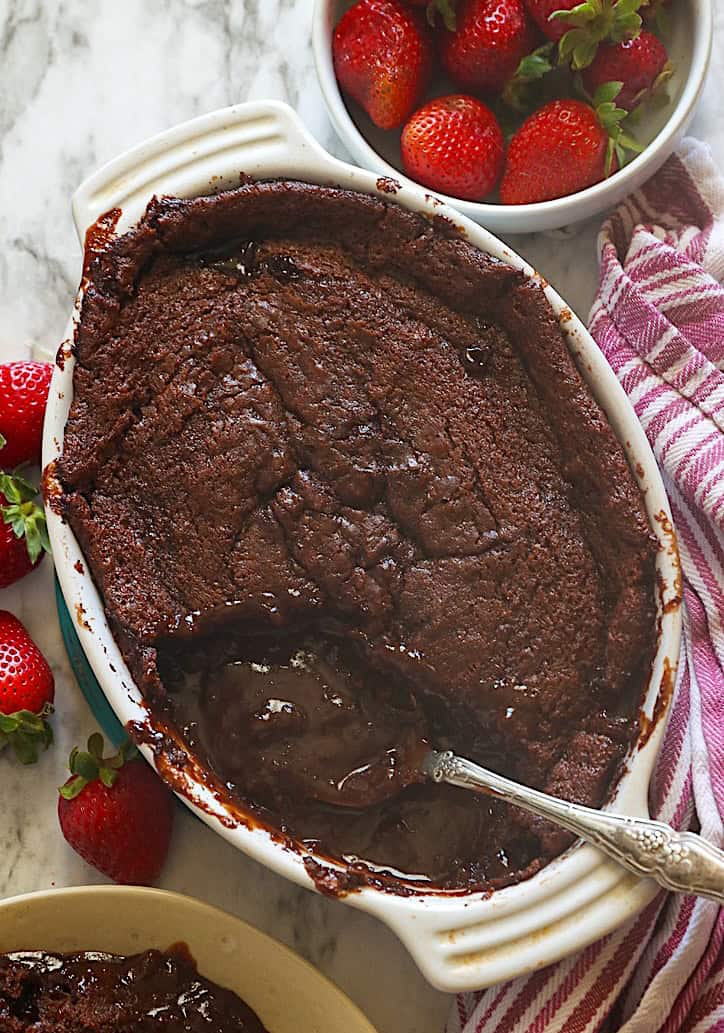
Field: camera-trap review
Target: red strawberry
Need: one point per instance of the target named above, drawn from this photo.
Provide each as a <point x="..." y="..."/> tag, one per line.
<point x="27" y="690"/>
<point x="23" y="532"/>
<point x="541" y="11"/>
<point x="455" y="145"/>
<point x="23" y="396"/>
<point x="564" y="147"/>
<point x="383" y="58"/>
<point x="116" y="813"/>
<point x="640" y="64"/>
<point x="490" y="39"/>
<point x="588" y="24"/>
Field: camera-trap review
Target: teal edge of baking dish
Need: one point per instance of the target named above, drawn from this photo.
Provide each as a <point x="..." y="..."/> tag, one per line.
<point x="87" y="681"/>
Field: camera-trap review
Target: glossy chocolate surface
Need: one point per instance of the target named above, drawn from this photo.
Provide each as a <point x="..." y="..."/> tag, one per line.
<point x="43" y="992"/>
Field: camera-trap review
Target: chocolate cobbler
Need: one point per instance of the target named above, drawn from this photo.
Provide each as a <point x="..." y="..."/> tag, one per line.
<point x="91" y="992"/>
<point x="343" y="492"/>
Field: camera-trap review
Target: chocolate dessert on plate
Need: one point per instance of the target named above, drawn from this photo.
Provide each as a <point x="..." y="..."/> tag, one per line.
<point x="95" y="992"/>
<point x="344" y="492"/>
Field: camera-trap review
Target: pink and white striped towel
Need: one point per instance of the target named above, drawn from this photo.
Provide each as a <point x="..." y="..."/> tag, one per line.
<point x="659" y="319"/>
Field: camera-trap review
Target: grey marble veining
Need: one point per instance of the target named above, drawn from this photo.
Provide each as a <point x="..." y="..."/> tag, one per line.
<point x="80" y="81"/>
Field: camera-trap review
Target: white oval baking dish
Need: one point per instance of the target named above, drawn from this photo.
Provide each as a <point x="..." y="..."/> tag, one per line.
<point x="130" y="919"/>
<point x="460" y="941"/>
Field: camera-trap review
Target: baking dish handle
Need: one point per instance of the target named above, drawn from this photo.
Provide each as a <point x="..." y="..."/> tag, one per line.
<point x="205" y="155"/>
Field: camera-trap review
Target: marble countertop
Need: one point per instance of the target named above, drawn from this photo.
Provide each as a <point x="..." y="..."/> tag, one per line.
<point x="80" y="81"/>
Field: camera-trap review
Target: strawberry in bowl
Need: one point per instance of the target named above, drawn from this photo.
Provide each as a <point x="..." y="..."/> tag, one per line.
<point x="565" y="147"/>
<point x="641" y="65"/>
<point x="454" y="144"/>
<point x="383" y="57"/>
<point x="489" y="39"/>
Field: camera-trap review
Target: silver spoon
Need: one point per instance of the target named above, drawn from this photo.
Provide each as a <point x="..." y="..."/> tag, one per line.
<point x="679" y="861"/>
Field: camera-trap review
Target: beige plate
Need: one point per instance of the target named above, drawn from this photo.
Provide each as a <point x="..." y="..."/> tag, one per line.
<point x="287" y="993"/>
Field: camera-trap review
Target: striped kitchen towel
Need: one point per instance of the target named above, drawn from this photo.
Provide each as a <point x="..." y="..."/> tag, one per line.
<point x="659" y="319"/>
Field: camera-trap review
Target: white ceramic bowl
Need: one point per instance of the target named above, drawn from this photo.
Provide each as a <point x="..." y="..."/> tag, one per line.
<point x="460" y="941"/>
<point x="286" y="992"/>
<point x="689" y="46"/>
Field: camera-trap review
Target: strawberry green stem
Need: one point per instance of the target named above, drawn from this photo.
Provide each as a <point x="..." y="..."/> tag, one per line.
<point x="26" y="732"/>
<point x="612" y="118"/>
<point x="89" y="765"/>
<point x="23" y="514"/>
<point x="593" y="22"/>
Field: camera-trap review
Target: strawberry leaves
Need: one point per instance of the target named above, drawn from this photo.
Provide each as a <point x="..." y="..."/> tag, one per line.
<point x="26" y="733"/>
<point x="22" y="513"/>
<point x="594" y="21"/>
<point x="534" y="67"/>
<point x="88" y="765"/>
<point x="611" y="117"/>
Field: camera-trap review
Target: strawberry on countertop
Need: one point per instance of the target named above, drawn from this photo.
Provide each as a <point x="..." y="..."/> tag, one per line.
<point x="488" y="43"/>
<point x="23" y="531"/>
<point x="27" y="690"/>
<point x="565" y="147"/>
<point x="116" y="813"/>
<point x="383" y="58"/>
<point x="640" y="64"/>
<point x="23" y="397"/>
<point x="455" y="145"/>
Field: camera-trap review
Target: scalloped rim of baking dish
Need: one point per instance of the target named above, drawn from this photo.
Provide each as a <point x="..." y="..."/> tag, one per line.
<point x="460" y="941"/>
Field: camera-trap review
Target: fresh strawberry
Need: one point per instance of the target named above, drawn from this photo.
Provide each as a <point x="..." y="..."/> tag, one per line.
<point x="580" y="27"/>
<point x="23" y="532"/>
<point x="23" y="396"/>
<point x="27" y="690"/>
<point x="383" y="58"/>
<point x="640" y="64"/>
<point x="15" y="560"/>
<point x="116" y="813"/>
<point x="455" y="145"/>
<point x="490" y="39"/>
<point x="541" y="11"/>
<point x="565" y="147"/>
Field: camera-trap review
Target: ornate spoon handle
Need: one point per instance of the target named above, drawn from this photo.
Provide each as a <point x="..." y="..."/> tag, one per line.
<point x="680" y="861"/>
